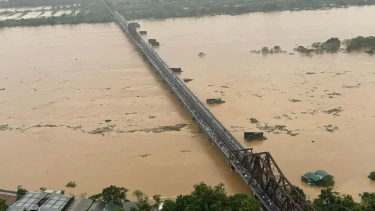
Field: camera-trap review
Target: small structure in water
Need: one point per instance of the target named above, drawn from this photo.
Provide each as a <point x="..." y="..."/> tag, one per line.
<point x="215" y="101"/>
<point x="176" y="70"/>
<point x="254" y="136"/>
<point x="135" y="24"/>
<point x="316" y="178"/>
<point x="153" y="42"/>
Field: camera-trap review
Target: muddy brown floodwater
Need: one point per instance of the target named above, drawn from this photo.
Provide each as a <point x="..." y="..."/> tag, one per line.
<point x="60" y="84"/>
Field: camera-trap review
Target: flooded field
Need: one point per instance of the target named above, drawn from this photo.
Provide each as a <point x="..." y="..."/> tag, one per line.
<point x="36" y="12"/>
<point x="78" y="103"/>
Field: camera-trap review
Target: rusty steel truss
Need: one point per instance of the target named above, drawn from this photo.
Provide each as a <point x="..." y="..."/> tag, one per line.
<point x="259" y="170"/>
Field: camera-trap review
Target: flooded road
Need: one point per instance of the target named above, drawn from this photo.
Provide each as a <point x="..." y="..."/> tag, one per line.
<point x="80" y="104"/>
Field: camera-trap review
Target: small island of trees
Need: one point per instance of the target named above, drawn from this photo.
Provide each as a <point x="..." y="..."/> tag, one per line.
<point x="333" y="45"/>
<point x="372" y="175"/>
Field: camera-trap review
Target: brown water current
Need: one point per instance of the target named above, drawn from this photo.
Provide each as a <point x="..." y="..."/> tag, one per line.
<point x="61" y="83"/>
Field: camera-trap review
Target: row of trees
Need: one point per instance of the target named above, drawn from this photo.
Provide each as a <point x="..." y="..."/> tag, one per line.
<point x="205" y="197"/>
<point x="333" y="45"/>
<point x="361" y="44"/>
<point x="138" y="9"/>
<point x="329" y="200"/>
<point x="202" y="198"/>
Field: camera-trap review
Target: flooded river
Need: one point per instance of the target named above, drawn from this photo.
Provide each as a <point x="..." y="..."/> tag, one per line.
<point x="78" y="103"/>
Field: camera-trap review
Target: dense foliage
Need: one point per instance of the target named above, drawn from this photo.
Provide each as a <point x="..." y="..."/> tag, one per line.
<point x="333" y="45"/>
<point x="71" y="184"/>
<point x="144" y="203"/>
<point x="327" y="181"/>
<point x="3" y="205"/>
<point x="205" y="197"/>
<point x="296" y="191"/>
<point x="112" y="194"/>
<point x="372" y="175"/>
<point x="21" y="191"/>
<point x="361" y="44"/>
<point x="159" y="9"/>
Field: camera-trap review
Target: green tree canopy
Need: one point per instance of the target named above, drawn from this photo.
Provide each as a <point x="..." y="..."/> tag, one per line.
<point x="3" y="205"/>
<point x="119" y="209"/>
<point x="21" y="191"/>
<point x="243" y="202"/>
<point x="368" y="201"/>
<point x="144" y="203"/>
<point x="111" y="194"/>
<point x="207" y="198"/>
<point x="372" y="175"/>
<point x="296" y="191"/>
<point x="169" y="205"/>
<point x="327" y="181"/>
<point x="332" y="201"/>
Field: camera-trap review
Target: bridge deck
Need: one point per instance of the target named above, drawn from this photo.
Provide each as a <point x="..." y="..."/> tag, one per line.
<point x="231" y="149"/>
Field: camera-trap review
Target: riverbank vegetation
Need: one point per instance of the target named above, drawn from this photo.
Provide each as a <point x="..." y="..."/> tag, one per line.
<point x="162" y="9"/>
<point x="332" y="45"/>
<point x="158" y="9"/>
<point x="205" y="197"/>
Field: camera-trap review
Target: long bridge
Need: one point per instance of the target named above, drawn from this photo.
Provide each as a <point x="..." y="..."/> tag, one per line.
<point x="258" y="170"/>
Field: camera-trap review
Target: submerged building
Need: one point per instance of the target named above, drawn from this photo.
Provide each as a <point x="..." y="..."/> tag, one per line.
<point x="316" y="178"/>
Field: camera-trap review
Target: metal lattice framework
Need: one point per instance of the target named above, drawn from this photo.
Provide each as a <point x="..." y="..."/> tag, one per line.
<point x="259" y="170"/>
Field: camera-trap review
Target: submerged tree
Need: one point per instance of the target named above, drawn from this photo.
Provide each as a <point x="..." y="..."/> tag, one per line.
<point x="372" y="175"/>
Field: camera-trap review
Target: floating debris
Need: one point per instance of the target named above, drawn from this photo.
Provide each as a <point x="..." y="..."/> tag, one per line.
<point x="294" y="100"/>
<point x="253" y="121"/>
<point x="201" y="54"/>
<point x="330" y="128"/>
<point x="215" y="101"/>
<point x="351" y="87"/>
<point x="334" y="111"/>
<point x="187" y="79"/>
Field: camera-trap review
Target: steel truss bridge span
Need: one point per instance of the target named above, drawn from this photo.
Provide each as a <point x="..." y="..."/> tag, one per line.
<point x="259" y="170"/>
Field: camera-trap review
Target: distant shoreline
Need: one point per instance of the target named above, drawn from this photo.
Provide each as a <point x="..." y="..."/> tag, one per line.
<point x="97" y="13"/>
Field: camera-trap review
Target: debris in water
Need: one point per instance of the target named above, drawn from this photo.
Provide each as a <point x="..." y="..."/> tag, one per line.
<point x="187" y="79"/>
<point x="330" y="128"/>
<point x="294" y="100"/>
<point x="334" y="111"/>
<point x="351" y="87"/>
<point x="253" y="121"/>
<point x="201" y="54"/>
